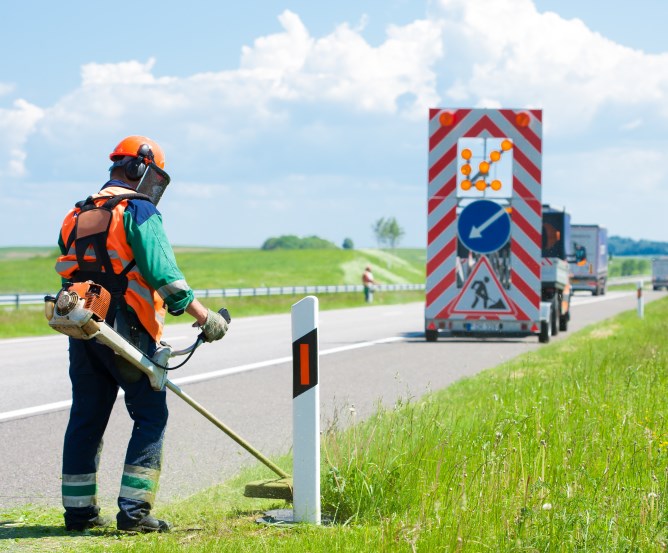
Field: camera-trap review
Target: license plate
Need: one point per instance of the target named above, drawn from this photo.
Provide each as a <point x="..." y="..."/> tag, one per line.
<point x="484" y="327"/>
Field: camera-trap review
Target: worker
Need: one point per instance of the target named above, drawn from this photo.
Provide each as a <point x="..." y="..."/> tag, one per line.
<point x="127" y="252"/>
<point x="368" y="283"/>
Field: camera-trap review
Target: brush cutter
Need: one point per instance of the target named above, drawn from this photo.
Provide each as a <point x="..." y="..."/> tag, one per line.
<point x="79" y="310"/>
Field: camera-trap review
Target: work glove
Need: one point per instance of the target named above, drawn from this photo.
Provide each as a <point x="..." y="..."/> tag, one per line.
<point x="215" y="326"/>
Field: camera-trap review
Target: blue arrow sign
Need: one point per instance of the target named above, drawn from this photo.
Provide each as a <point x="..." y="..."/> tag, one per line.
<point x="484" y="226"/>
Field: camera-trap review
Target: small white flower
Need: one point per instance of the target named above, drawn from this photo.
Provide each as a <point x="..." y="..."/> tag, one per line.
<point x="547" y="506"/>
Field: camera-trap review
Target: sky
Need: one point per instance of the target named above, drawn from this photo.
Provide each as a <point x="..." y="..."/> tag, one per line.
<point x="309" y="118"/>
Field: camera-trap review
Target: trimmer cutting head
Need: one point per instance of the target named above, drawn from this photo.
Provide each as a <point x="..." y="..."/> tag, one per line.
<point x="277" y="488"/>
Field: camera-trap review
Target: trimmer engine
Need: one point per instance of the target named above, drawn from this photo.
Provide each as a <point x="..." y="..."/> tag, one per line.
<point x="74" y="307"/>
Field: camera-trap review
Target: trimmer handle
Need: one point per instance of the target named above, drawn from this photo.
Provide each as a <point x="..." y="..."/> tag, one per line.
<point x="226" y="314"/>
<point x="223" y="312"/>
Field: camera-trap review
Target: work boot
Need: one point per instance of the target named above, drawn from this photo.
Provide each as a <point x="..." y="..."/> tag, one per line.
<point x="145" y="525"/>
<point x="80" y="526"/>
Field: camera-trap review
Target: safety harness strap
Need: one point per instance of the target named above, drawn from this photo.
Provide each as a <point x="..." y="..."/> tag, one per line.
<point x="89" y="237"/>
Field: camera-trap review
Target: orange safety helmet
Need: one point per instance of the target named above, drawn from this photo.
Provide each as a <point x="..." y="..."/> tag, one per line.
<point x="131" y="146"/>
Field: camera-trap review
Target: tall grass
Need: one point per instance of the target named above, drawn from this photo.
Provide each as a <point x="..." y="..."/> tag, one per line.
<point x="563" y="449"/>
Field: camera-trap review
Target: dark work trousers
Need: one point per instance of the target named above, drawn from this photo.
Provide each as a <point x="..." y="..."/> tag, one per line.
<point x="96" y="374"/>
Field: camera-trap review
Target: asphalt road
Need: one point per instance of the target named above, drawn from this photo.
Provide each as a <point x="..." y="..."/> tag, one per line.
<point x="369" y="355"/>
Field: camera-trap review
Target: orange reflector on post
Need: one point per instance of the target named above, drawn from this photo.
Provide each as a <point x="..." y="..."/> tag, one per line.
<point x="304" y="367"/>
<point x="506" y="145"/>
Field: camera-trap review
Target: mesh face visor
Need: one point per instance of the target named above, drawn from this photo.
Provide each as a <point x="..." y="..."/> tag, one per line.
<point x="153" y="183"/>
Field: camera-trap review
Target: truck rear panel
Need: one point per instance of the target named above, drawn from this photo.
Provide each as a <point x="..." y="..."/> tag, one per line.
<point x="590" y="267"/>
<point x="660" y="273"/>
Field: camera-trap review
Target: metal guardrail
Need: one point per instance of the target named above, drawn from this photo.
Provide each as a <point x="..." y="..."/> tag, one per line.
<point x="18" y="300"/>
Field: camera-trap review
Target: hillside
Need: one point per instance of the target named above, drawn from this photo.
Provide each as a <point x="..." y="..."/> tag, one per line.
<point x="31" y="270"/>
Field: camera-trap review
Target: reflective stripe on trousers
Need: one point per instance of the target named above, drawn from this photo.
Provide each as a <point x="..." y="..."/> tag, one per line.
<point x="96" y="379"/>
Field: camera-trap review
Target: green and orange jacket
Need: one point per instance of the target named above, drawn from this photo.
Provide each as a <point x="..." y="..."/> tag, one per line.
<point x="135" y="233"/>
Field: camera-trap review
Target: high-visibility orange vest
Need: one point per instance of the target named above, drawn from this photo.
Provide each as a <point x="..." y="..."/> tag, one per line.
<point x="143" y="299"/>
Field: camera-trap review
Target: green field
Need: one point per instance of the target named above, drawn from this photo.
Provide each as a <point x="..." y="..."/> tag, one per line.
<point x="30" y="270"/>
<point x="563" y="449"/>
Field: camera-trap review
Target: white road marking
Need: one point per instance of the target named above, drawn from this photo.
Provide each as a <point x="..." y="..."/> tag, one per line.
<point x="596" y="299"/>
<point x="58" y="405"/>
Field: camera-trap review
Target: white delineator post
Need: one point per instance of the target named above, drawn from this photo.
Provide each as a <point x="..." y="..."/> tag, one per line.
<point x="306" y="411"/>
<point x="641" y="303"/>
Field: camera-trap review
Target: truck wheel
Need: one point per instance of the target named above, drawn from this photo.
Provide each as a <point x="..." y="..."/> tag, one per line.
<point x="554" y="317"/>
<point x="544" y="336"/>
<point x="431" y="335"/>
<point x="564" y="318"/>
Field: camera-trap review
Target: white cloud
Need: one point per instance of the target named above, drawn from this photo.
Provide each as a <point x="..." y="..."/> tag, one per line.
<point x="6" y="88"/>
<point x="337" y="105"/>
<point x="631" y="125"/>
<point x="280" y="77"/>
<point x="518" y="57"/>
<point x="126" y="73"/>
<point x="16" y="125"/>
<point x="620" y="188"/>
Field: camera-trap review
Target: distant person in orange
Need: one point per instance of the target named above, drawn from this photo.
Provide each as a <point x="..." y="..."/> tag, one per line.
<point x="368" y="282"/>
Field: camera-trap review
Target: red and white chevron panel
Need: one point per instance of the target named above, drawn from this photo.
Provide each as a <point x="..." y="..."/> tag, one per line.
<point x="524" y="129"/>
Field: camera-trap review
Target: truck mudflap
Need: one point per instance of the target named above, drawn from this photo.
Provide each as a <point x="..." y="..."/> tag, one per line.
<point x="546" y="322"/>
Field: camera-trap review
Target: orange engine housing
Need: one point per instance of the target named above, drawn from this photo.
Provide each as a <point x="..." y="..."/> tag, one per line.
<point x="96" y="298"/>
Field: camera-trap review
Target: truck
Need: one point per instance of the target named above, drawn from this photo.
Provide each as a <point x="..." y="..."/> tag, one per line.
<point x="488" y="273"/>
<point x="660" y="273"/>
<point x="589" y="264"/>
<point x="555" y="285"/>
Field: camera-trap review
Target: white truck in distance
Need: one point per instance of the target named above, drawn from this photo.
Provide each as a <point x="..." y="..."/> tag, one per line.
<point x="590" y="266"/>
<point x="660" y="273"/>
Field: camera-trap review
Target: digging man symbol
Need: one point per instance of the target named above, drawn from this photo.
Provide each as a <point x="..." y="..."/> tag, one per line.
<point x="480" y="289"/>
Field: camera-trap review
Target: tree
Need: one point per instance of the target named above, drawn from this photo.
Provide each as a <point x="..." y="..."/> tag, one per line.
<point x="387" y="231"/>
<point x="394" y="233"/>
<point x="292" y="242"/>
<point x="379" y="232"/>
<point x="348" y="244"/>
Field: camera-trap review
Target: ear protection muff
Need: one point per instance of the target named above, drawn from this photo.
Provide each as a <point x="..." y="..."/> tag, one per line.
<point x="135" y="168"/>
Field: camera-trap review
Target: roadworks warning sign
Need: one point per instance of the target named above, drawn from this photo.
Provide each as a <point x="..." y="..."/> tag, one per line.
<point x="482" y="293"/>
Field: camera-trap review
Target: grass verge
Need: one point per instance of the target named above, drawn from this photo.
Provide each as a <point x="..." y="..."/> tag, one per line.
<point x="562" y="449"/>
